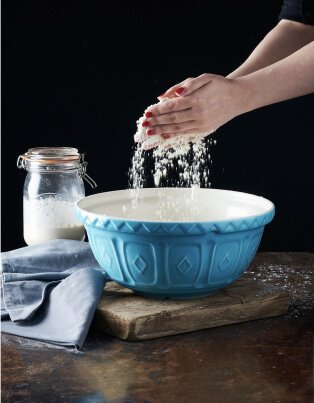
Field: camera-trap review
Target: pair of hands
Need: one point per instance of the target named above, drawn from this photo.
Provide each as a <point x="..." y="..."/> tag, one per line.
<point x="193" y="108"/>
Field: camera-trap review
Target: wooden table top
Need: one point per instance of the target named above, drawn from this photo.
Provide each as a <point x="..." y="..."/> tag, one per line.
<point x="269" y="360"/>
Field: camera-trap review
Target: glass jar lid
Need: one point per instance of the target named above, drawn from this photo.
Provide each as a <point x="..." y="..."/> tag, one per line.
<point x="49" y="155"/>
<point x="55" y="159"/>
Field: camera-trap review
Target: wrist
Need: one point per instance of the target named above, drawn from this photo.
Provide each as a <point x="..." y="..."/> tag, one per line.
<point x="243" y="94"/>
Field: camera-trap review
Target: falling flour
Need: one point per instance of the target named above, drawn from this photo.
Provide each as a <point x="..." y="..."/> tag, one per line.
<point x="181" y="161"/>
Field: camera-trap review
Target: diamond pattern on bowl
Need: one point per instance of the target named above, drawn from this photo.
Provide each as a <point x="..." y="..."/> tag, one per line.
<point x="225" y="262"/>
<point x="140" y="264"/>
<point x="184" y="266"/>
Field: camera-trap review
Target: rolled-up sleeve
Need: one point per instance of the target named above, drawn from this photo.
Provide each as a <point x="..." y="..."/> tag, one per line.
<point x="298" y="10"/>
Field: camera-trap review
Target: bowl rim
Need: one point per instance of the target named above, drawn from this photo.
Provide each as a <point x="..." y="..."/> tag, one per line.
<point x="224" y="225"/>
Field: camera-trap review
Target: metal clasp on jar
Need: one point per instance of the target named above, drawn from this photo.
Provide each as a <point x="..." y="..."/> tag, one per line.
<point x="20" y="163"/>
<point x="82" y="172"/>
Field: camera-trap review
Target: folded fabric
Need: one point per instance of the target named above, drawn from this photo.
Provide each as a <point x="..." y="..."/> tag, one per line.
<point x="50" y="291"/>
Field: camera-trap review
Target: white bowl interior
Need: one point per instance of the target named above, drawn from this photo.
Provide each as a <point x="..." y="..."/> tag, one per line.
<point x="175" y="205"/>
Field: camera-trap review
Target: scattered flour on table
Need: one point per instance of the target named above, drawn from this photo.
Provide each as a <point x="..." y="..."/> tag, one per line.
<point x="298" y="282"/>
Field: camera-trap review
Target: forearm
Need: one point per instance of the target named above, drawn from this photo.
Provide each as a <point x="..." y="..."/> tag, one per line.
<point x="283" y="40"/>
<point x="288" y="78"/>
<point x="198" y="106"/>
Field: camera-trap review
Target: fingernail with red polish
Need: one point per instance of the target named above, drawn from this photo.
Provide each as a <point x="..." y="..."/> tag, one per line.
<point x="148" y="114"/>
<point x="165" y="136"/>
<point x="180" y="91"/>
<point x="145" y="123"/>
<point x="150" y="132"/>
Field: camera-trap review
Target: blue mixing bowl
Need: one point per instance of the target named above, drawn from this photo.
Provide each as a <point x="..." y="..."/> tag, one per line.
<point x="174" y="242"/>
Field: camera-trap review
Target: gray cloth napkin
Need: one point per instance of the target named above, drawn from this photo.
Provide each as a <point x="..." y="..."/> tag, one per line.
<point x="50" y="291"/>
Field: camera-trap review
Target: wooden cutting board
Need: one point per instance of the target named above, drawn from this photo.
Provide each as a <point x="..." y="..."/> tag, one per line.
<point x="123" y="314"/>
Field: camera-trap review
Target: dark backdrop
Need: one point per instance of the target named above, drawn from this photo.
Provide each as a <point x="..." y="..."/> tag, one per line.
<point x="80" y="73"/>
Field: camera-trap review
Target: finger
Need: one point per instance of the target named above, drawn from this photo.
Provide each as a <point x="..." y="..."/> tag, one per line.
<point x="168" y="118"/>
<point x="172" y="128"/>
<point x="171" y="105"/>
<point x="147" y="126"/>
<point x="194" y="84"/>
<point x="171" y="92"/>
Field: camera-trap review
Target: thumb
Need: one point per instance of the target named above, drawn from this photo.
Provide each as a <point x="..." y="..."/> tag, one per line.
<point x="171" y="92"/>
<point x="194" y="84"/>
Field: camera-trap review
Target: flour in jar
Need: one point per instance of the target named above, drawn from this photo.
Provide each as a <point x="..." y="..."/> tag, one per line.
<point x="50" y="218"/>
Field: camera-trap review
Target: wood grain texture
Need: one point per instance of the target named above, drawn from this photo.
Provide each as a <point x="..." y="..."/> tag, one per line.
<point x="123" y="314"/>
<point x="268" y="360"/>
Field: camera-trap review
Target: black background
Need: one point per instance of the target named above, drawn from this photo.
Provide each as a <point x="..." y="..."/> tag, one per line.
<point x="80" y="74"/>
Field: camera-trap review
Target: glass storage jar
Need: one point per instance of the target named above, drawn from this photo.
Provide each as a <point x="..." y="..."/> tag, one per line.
<point x="52" y="187"/>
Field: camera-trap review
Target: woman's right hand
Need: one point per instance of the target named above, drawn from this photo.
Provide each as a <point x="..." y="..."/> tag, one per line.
<point x="196" y="106"/>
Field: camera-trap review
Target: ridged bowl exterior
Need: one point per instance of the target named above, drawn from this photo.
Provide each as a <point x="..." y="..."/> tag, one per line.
<point x="174" y="260"/>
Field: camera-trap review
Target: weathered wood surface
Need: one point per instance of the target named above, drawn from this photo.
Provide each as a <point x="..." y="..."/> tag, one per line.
<point x="128" y="316"/>
<point x="268" y="360"/>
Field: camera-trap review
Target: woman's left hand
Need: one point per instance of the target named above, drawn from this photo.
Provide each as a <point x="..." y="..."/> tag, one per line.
<point x="195" y="106"/>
